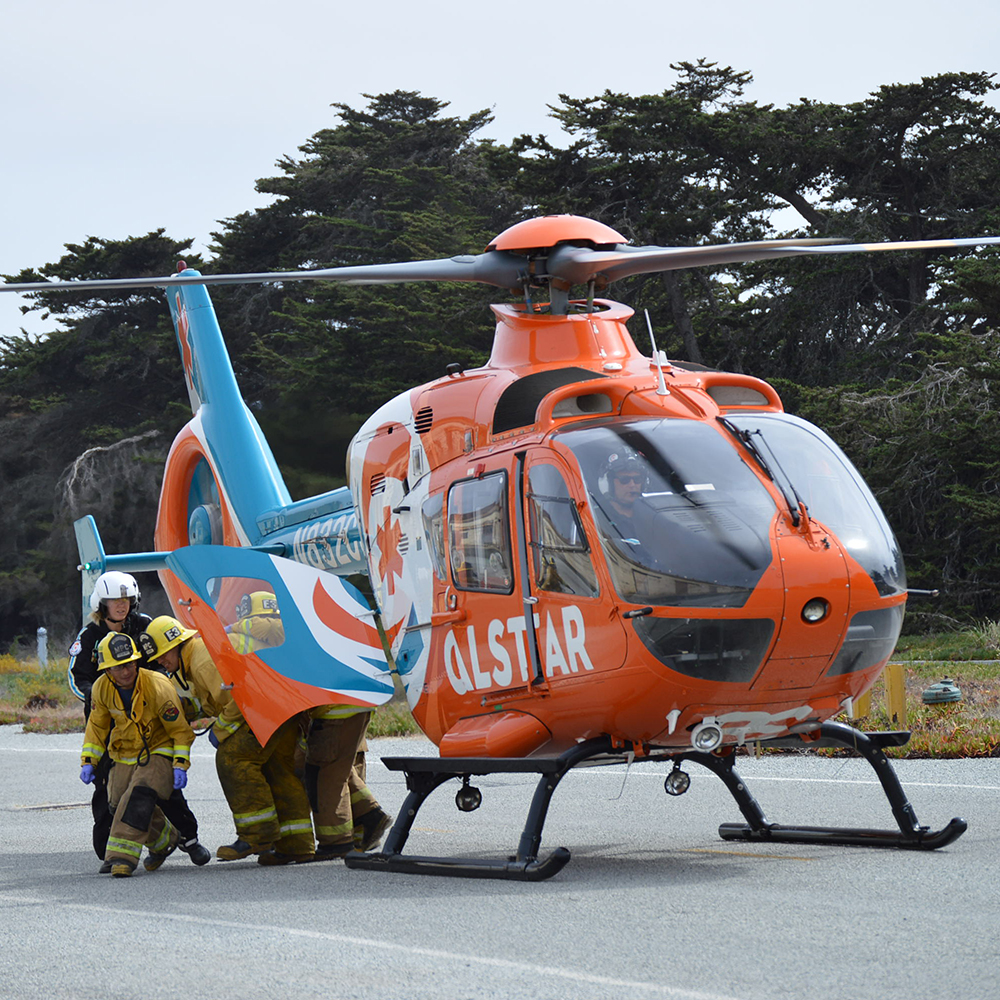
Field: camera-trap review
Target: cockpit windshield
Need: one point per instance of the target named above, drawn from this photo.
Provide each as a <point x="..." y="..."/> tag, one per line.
<point x="833" y="492"/>
<point x="682" y="520"/>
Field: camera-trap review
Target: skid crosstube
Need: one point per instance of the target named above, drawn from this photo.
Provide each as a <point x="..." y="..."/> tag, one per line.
<point x="425" y="774"/>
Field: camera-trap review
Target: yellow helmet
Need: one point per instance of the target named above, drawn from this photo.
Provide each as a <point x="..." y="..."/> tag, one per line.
<point x="260" y="602"/>
<point x="162" y="634"/>
<point x="115" y="649"/>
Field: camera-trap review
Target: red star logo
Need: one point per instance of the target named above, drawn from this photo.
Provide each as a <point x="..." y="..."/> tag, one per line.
<point x="390" y="562"/>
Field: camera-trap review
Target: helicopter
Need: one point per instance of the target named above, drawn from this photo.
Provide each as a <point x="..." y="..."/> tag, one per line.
<point x="579" y="554"/>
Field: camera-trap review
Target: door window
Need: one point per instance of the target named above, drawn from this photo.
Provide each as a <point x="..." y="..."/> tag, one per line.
<point x="479" y="535"/>
<point x="432" y="513"/>
<point x="560" y="555"/>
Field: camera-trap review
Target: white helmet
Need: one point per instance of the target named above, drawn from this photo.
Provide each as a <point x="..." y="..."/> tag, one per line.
<point x="111" y="586"/>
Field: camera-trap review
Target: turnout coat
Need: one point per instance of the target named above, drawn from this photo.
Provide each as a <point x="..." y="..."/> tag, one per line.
<point x="154" y="723"/>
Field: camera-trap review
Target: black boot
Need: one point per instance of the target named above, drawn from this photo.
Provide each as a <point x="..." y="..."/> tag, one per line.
<point x="197" y="852"/>
<point x="371" y="828"/>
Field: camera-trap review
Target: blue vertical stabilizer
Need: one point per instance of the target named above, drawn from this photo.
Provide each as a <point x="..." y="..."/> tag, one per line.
<point x="239" y="452"/>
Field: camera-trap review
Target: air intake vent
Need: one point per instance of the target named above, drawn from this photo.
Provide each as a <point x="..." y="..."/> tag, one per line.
<point x="518" y="404"/>
<point x="378" y="483"/>
<point x="403" y="545"/>
<point x="737" y="395"/>
<point x="423" y="420"/>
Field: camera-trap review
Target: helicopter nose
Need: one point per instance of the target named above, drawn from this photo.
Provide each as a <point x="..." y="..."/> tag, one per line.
<point x="815" y="613"/>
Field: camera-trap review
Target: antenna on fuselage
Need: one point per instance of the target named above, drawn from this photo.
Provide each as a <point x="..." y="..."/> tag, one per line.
<point x="659" y="359"/>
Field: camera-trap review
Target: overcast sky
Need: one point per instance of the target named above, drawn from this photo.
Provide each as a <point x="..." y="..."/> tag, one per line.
<point x="122" y="117"/>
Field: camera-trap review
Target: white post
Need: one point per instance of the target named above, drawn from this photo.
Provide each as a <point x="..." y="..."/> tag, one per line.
<point x="43" y="647"/>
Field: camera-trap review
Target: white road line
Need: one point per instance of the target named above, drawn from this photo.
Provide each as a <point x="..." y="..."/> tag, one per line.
<point x="157" y="918"/>
<point x="593" y="772"/>
<point x="871" y="781"/>
<point x="753" y="778"/>
<point x="51" y="805"/>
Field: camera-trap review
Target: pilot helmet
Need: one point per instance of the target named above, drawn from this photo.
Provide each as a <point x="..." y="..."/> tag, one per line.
<point x="110" y="586"/>
<point x="623" y="461"/>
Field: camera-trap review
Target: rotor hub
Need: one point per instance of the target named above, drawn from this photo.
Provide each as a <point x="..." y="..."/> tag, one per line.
<point x="550" y="230"/>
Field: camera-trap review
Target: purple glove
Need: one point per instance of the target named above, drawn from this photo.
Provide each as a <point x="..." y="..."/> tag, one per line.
<point x="87" y="773"/>
<point x="213" y="739"/>
<point x="180" y="777"/>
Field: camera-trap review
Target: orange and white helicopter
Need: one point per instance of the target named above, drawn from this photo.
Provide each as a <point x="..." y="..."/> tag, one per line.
<point x="580" y="553"/>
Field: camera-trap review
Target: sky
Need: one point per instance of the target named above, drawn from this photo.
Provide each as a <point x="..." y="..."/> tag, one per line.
<point x="124" y="117"/>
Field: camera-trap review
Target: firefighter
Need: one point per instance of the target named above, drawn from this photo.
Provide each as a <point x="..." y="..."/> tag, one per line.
<point x="345" y="811"/>
<point x="268" y="802"/>
<point x="258" y="622"/>
<point x="347" y="814"/>
<point x="114" y="607"/>
<point x="136" y="719"/>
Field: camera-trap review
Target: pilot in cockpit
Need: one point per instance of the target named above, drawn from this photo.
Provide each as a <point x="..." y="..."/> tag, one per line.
<point x="628" y="517"/>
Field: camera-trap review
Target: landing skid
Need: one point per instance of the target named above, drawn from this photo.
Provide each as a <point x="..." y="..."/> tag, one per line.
<point x="425" y="774"/>
<point x="911" y="836"/>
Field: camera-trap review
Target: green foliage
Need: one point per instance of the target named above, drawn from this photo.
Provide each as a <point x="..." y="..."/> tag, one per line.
<point x="979" y="643"/>
<point x="895" y="354"/>
<point x="85" y="421"/>
<point x="929" y="448"/>
<point x="912" y="162"/>
<point x="395" y="181"/>
<point x="26" y="689"/>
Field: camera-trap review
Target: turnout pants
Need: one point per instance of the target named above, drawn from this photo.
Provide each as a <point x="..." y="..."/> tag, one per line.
<point x="337" y="789"/>
<point x="137" y="820"/>
<point x="175" y="808"/>
<point x="267" y="800"/>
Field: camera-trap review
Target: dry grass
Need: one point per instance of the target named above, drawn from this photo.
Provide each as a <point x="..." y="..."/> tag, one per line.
<point x="966" y="728"/>
<point x="41" y="700"/>
<point x="393" y="719"/>
<point x="38" y="698"/>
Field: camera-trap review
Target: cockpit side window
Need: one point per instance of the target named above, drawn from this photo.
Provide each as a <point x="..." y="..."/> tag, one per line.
<point x="479" y="535"/>
<point x="432" y="513"/>
<point x="560" y="554"/>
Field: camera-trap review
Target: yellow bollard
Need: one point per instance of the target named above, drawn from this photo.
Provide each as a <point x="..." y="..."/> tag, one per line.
<point x="895" y="694"/>
<point x="862" y="705"/>
<point x="895" y="697"/>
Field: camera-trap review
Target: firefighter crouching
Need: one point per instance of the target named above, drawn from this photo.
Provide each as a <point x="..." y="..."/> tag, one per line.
<point x="136" y="718"/>
<point x="268" y="802"/>
<point x="114" y="607"/>
<point x="345" y="811"/>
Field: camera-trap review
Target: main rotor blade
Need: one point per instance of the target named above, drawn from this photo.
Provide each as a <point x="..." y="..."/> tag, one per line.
<point x="505" y="269"/>
<point x="496" y="267"/>
<point x="579" y="265"/>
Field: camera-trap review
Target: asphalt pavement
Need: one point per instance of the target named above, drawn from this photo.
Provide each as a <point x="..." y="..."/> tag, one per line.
<point x="653" y="903"/>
